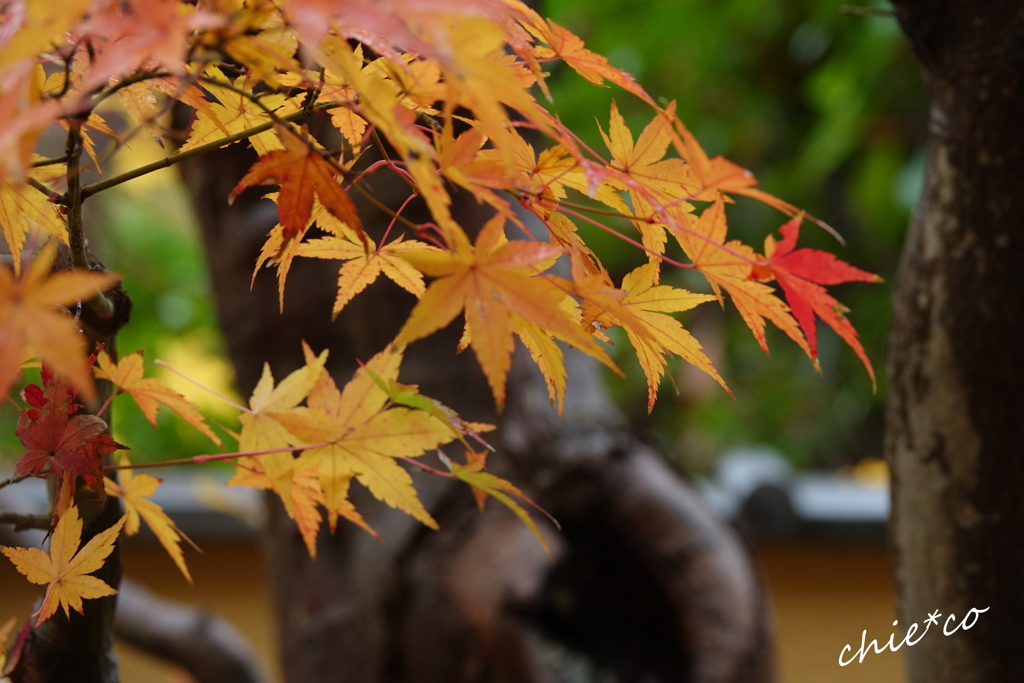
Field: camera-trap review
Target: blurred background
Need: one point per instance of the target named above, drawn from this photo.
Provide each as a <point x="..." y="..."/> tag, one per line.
<point x="826" y="107"/>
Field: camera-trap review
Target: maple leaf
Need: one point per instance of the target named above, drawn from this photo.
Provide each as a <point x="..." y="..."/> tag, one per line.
<point x="306" y="499"/>
<point x="58" y="440"/>
<point x="66" y="568"/>
<point x="39" y="23"/>
<point x="363" y="440"/>
<point x="641" y="307"/>
<point x="486" y="484"/>
<point x="302" y="172"/>
<point x="728" y="266"/>
<point x="134" y="490"/>
<point x="571" y="49"/>
<point x="149" y="392"/>
<point x="263" y="427"/>
<point x="491" y="285"/>
<point x="362" y="267"/>
<point x="28" y="315"/>
<point x="23" y="207"/>
<point x="801" y="274"/>
<point x="651" y="180"/>
<point x="233" y="113"/>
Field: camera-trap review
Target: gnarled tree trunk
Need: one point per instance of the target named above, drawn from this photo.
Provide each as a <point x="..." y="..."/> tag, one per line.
<point x="955" y="424"/>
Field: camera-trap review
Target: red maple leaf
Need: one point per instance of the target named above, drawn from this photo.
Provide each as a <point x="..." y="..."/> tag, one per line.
<point x="58" y="440"/>
<point x="801" y="274"/>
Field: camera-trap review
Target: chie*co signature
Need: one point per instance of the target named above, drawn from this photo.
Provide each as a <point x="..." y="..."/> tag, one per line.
<point x="933" y="619"/>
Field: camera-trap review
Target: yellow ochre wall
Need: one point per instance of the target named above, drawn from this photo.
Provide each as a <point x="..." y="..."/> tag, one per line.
<point x="823" y="597"/>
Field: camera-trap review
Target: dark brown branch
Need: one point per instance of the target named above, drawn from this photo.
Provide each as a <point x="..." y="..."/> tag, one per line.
<point x="25" y="521"/>
<point x="204" y="644"/>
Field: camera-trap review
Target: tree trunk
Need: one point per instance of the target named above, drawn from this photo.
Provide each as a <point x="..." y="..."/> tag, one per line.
<point x="954" y="423"/>
<point x="645" y="585"/>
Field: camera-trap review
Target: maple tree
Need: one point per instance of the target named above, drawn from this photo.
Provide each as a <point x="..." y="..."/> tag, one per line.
<point x="442" y="91"/>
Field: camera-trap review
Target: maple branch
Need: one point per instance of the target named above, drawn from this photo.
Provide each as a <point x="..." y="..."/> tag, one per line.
<point x="13" y="480"/>
<point x="49" y="162"/>
<point x="127" y="81"/>
<point x="177" y="157"/>
<point x="50" y="194"/>
<point x="25" y="521"/>
<point x="99" y="303"/>
<point x="76" y="229"/>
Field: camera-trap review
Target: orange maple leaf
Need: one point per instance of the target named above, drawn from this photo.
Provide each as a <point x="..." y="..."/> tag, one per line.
<point x="134" y="490"/>
<point x="149" y="392"/>
<point x="727" y="265"/>
<point x="28" y="315"/>
<point x="65" y="570"/>
<point x="302" y="172"/>
<point x="491" y="284"/>
<point x="306" y="499"/>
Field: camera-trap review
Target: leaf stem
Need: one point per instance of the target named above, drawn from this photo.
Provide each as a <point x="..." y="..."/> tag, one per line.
<point x="181" y="374"/>
<point x="200" y="459"/>
<point x="428" y="468"/>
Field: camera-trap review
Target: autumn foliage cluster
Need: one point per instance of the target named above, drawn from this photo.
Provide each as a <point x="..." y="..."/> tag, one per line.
<point x="447" y="95"/>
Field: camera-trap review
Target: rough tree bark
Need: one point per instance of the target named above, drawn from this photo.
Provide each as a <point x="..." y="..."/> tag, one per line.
<point x="954" y="427"/>
<point x="645" y="583"/>
<point x="79" y="648"/>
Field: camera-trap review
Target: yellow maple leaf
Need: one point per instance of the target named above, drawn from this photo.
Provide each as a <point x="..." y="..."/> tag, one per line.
<point x="491" y="285"/>
<point x="134" y="490"/>
<point x="28" y="316"/>
<point x="65" y="570"/>
<point x="40" y="29"/>
<point x="363" y="440"/>
<point x="233" y="113"/>
<point x="641" y="307"/>
<point x="362" y="267"/>
<point x="264" y="428"/>
<point x="149" y="392"/>
<point x="23" y="207"/>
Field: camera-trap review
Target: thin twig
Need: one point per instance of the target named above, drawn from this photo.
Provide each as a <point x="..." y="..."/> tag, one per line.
<point x="26" y="521"/>
<point x="49" y="162"/>
<point x="99" y="303"/>
<point x="13" y="480"/>
<point x="858" y="11"/>
<point x="167" y="162"/>
<point x="76" y="228"/>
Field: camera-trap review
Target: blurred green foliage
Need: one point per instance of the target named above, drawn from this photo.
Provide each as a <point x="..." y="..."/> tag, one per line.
<point x="825" y="108"/>
<point x="828" y="110"/>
